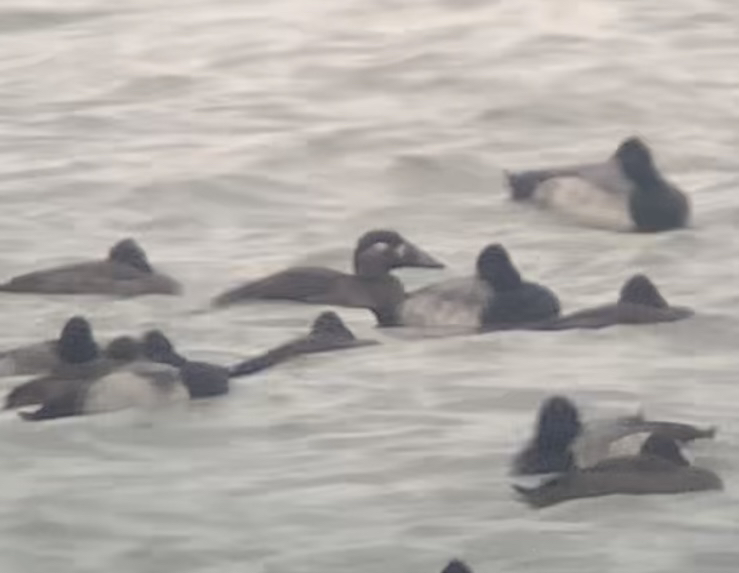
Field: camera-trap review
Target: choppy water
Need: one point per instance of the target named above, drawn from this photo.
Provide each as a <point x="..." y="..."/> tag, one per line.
<point x="232" y="138"/>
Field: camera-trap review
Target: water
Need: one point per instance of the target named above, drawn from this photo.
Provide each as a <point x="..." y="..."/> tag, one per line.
<point x="234" y="138"/>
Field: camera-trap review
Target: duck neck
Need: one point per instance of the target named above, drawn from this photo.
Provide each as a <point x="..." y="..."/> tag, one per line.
<point x="646" y="178"/>
<point x="507" y="283"/>
<point x="370" y="268"/>
<point x="504" y="279"/>
<point x="171" y="358"/>
<point x="387" y="316"/>
<point x="77" y="353"/>
<point x="176" y="360"/>
<point x="384" y="296"/>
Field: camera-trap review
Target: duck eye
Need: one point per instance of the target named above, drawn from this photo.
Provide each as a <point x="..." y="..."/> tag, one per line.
<point x="401" y="250"/>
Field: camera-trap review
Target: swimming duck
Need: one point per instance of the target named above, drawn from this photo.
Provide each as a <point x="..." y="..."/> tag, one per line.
<point x="627" y="191"/>
<point x="42" y="357"/>
<point x="496" y="298"/>
<point x="562" y="441"/>
<point x="639" y="302"/>
<point x="553" y="455"/>
<point x="328" y="332"/>
<point x="126" y="272"/>
<point x="659" y="468"/>
<point x="78" y="361"/>
<point x="371" y="286"/>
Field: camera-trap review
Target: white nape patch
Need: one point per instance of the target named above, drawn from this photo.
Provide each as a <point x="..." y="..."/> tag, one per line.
<point x="585" y="203"/>
<point x="142" y="385"/>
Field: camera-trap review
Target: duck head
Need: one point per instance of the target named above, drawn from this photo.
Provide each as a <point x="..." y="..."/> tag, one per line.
<point x="329" y="324"/>
<point x="640" y="290"/>
<point x="76" y="343"/>
<point x="636" y="160"/>
<point x="379" y="251"/>
<point x="558" y="424"/>
<point x="158" y="348"/>
<point x="129" y="252"/>
<point x="494" y="266"/>
<point x="123" y="349"/>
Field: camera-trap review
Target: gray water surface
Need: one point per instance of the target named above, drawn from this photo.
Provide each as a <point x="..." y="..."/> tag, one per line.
<point x="232" y="138"/>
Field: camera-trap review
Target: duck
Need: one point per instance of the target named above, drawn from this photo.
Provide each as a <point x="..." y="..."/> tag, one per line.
<point x="125" y="272"/>
<point x="42" y="357"/>
<point x="137" y="385"/>
<point x="626" y="192"/>
<point x="639" y="302"/>
<point x="79" y="361"/>
<point x="659" y="466"/>
<point x="371" y="286"/>
<point x="327" y="333"/>
<point x="496" y="298"/>
<point x="563" y="442"/>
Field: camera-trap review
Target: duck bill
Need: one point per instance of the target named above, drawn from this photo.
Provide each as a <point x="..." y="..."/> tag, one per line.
<point x="409" y="255"/>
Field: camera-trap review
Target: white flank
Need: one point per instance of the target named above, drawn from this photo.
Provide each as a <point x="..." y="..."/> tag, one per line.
<point x="140" y="386"/>
<point x="585" y="203"/>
